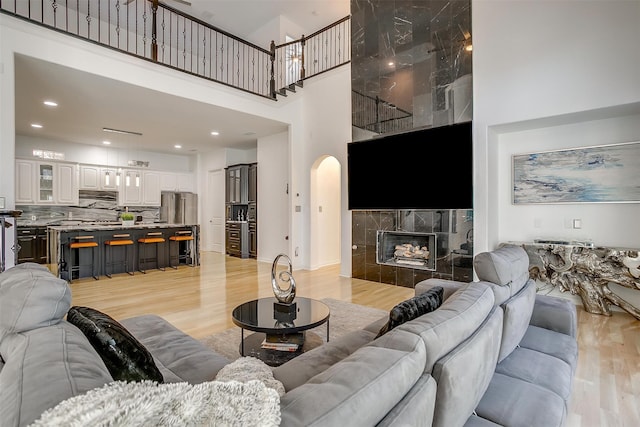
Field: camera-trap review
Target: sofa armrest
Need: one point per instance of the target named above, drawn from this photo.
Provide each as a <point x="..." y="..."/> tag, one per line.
<point x="449" y="286"/>
<point x="556" y="314"/>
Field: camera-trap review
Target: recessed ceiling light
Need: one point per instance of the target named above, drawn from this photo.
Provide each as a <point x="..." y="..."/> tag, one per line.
<point x="178" y="146"/>
<point x="390" y="64"/>
<point x="215" y="133"/>
<point x="36" y="125"/>
<point x="106" y="142"/>
<point x="50" y="103"/>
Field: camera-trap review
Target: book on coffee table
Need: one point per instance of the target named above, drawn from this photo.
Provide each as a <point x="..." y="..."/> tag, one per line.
<point x="289" y="342"/>
<point x="279" y="346"/>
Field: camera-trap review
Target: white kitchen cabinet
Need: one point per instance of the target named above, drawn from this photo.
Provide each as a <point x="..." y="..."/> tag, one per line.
<point x="172" y="181"/>
<point x="66" y="184"/>
<point x="89" y="177"/>
<point x="186" y="182"/>
<point x="168" y="181"/>
<point x="98" y="178"/>
<point x="151" y="188"/>
<point x="130" y="193"/>
<point x="46" y="183"/>
<point x="25" y="182"/>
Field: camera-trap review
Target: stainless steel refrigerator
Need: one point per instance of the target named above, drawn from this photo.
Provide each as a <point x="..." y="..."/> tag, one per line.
<point x="179" y="208"/>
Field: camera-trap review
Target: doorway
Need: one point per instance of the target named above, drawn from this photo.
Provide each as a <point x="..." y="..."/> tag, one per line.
<point x="325" y="212"/>
<point x="214" y="222"/>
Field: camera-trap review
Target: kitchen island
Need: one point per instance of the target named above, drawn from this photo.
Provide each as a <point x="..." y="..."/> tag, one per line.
<point x="92" y="261"/>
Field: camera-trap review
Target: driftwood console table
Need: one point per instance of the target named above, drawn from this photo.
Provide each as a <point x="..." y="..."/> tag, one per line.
<point x="587" y="272"/>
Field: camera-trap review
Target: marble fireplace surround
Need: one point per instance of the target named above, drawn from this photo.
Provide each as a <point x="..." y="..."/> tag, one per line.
<point x="452" y="257"/>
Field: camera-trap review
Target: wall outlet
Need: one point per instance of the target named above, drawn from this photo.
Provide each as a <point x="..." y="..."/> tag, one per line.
<point x="2" y="202"/>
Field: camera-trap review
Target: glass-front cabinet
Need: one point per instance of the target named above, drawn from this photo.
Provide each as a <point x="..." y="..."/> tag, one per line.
<point x="45" y="182"/>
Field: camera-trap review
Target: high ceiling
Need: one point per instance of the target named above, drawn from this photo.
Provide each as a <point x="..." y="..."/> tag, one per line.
<point x="88" y="103"/>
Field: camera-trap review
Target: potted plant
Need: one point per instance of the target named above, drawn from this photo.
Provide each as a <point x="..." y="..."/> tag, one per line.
<point x="127" y="218"/>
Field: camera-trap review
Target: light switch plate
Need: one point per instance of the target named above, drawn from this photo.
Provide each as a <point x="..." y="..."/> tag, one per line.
<point x="1" y="202"/>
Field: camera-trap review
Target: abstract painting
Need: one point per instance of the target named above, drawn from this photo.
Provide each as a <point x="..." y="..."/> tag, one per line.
<point x="599" y="174"/>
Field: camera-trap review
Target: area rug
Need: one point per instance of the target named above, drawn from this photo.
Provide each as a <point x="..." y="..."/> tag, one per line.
<point x="345" y="317"/>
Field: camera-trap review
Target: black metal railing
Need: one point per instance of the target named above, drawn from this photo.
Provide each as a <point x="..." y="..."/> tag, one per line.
<point x="159" y="33"/>
<point x="377" y="115"/>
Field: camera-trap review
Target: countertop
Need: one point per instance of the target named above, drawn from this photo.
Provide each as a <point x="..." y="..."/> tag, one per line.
<point x="106" y="227"/>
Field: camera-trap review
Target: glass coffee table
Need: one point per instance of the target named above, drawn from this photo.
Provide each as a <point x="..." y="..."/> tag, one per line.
<point x="279" y="326"/>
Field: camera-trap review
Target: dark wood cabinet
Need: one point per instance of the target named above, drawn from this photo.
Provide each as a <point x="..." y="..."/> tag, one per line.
<point x="253" y="240"/>
<point x="33" y="245"/>
<point x="237" y="184"/>
<point x="252" y="183"/>
<point x="241" y="210"/>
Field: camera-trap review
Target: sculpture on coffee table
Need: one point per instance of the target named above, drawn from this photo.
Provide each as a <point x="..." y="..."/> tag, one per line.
<point x="284" y="308"/>
<point x="587" y="272"/>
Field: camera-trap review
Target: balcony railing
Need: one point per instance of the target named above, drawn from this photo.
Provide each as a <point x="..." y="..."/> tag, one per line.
<point x="161" y="34"/>
<point x="377" y="115"/>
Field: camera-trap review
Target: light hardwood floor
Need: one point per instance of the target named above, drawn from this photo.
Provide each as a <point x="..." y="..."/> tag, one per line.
<point x="199" y="301"/>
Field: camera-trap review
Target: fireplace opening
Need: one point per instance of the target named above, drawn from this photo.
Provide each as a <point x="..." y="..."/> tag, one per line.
<point x="406" y="249"/>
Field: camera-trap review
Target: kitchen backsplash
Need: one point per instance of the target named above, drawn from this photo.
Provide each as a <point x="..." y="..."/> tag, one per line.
<point x="92" y="206"/>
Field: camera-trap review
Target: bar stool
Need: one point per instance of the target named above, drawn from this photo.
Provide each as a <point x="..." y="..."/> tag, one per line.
<point x="117" y="240"/>
<point x="82" y="242"/>
<point x="154" y="239"/>
<point x="181" y="236"/>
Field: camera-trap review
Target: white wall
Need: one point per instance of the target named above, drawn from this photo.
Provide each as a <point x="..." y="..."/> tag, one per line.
<point x="319" y="116"/>
<point x="325" y="212"/>
<point x="327" y="116"/>
<point x="551" y="75"/>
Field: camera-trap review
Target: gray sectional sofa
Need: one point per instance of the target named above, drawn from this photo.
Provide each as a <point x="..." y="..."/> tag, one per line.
<point x="494" y="353"/>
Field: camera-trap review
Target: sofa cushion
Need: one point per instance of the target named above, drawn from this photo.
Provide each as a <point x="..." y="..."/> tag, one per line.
<point x="416" y="407"/>
<point x="125" y="357"/>
<point x="413" y="308"/>
<point x="463" y="375"/>
<point x="556" y="314"/>
<point x="516" y="403"/>
<point x="300" y="369"/>
<point x="455" y="321"/>
<point x="43" y="367"/>
<point x="362" y="388"/>
<point x="507" y="266"/>
<point x="539" y="368"/>
<point x="553" y="343"/>
<point x="517" y="313"/>
<point x="31" y="297"/>
<point x="186" y="359"/>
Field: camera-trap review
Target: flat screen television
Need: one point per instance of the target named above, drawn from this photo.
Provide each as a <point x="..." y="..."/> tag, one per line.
<point x="423" y="169"/>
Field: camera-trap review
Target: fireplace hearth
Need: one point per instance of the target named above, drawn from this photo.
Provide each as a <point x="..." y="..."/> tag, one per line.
<point x="406" y="249"/>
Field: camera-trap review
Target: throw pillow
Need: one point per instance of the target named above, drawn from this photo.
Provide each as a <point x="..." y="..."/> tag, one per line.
<point x="125" y="357"/>
<point x="247" y="369"/>
<point x="413" y="308"/>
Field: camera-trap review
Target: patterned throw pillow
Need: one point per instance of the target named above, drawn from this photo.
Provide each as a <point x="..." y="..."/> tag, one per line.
<point x="413" y="308"/>
<point x="125" y="357"/>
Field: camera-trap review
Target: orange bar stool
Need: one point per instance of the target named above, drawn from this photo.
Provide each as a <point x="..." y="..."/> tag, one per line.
<point x="79" y="244"/>
<point x="181" y="236"/>
<point x="118" y="240"/>
<point x="156" y="240"/>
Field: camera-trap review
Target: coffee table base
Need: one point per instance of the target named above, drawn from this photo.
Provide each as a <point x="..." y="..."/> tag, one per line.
<point x="253" y="347"/>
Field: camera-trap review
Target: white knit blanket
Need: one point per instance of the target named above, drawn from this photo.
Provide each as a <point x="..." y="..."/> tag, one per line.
<point x="148" y="403"/>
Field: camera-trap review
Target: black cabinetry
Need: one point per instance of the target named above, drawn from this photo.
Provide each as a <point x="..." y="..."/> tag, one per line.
<point x="241" y="210"/>
<point x="33" y="244"/>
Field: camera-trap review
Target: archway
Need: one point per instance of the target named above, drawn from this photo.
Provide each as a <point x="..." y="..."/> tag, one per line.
<point x="325" y="212"/>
